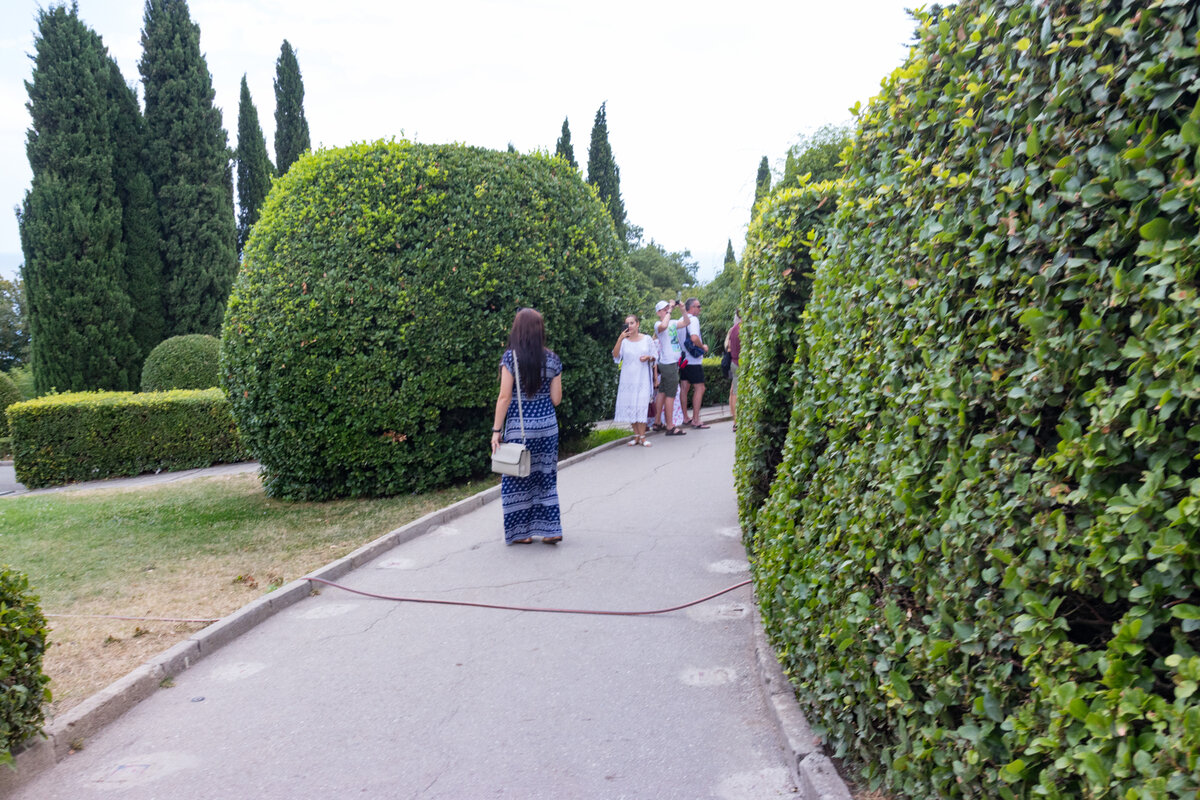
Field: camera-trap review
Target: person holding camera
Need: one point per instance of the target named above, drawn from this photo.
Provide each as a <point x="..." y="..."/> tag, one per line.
<point x="666" y="331"/>
<point x="692" y="373"/>
<point x="636" y="353"/>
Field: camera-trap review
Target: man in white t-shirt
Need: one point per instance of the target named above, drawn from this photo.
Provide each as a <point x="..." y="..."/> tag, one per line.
<point x="666" y="330"/>
<point x="692" y="374"/>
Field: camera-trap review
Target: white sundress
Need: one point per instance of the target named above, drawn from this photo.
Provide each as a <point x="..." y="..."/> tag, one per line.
<point x="636" y="387"/>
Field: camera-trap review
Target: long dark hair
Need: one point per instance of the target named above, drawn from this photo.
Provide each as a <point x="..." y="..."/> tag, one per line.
<point x="527" y="340"/>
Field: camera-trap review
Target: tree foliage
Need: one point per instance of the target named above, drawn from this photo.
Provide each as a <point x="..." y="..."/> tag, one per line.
<point x="604" y="174"/>
<point x="140" y="224"/>
<point x="291" y="126"/>
<point x="14" y="325"/>
<point x="71" y="220"/>
<point x="190" y="168"/>
<point x="816" y="155"/>
<point x="659" y="275"/>
<point x="361" y="346"/>
<point x="721" y="299"/>
<point x="563" y="148"/>
<point x="254" y="168"/>
<point x="762" y="184"/>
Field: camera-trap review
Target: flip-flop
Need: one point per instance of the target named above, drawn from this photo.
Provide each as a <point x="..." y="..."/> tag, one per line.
<point x="522" y="541"/>
<point x="551" y="539"/>
<point x="676" y="432"/>
<point x="701" y="427"/>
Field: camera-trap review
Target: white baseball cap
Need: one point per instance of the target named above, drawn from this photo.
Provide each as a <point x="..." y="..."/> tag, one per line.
<point x="660" y="305"/>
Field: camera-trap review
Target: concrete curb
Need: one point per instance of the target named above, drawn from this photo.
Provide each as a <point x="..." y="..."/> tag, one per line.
<point x="815" y="776"/>
<point x="70" y="730"/>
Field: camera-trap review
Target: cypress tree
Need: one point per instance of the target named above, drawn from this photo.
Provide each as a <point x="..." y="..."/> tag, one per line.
<point x="291" y="128"/>
<point x="190" y="171"/>
<point x="70" y="220"/>
<point x="563" y="147"/>
<point x="603" y="172"/>
<point x="730" y="258"/>
<point x="254" y="168"/>
<point x="762" y="184"/>
<point x="140" y="223"/>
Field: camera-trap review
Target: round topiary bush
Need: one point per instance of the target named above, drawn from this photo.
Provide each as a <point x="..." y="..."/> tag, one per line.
<point x="9" y="394"/>
<point x="981" y="553"/>
<point x="362" y="340"/>
<point x="23" y="687"/>
<point x="182" y="362"/>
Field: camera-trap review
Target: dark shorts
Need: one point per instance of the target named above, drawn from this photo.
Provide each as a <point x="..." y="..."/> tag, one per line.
<point x="692" y="373"/>
<point x="668" y="379"/>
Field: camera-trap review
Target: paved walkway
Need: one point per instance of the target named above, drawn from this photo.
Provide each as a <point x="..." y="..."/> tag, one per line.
<point x="339" y="695"/>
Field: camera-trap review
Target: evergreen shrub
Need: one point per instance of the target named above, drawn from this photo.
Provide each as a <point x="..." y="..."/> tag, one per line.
<point x="980" y="557"/>
<point x="777" y="270"/>
<point x="23" y="687"/>
<point x="91" y="435"/>
<point x="182" y="362"/>
<point x="716" y="385"/>
<point x="9" y="394"/>
<point x="362" y="341"/>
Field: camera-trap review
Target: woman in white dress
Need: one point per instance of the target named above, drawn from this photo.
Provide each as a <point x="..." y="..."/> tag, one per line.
<point x="635" y="352"/>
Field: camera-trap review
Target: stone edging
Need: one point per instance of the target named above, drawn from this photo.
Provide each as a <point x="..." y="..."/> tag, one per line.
<point x="86" y="719"/>
<point x="815" y="776"/>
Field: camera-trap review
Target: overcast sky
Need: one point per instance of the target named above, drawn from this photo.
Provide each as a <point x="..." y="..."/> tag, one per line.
<point x="697" y="92"/>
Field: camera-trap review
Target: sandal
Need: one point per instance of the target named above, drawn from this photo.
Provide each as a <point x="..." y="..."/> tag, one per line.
<point x="676" y="432"/>
<point x="551" y="539"/>
<point x="645" y="443"/>
<point x="633" y="442"/>
<point x="701" y="427"/>
<point x="528" y="540"/>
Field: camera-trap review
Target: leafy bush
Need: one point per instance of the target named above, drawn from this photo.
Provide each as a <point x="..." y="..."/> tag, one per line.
<point x="91" y="435"/>
<point x="776" y="283"/>
<point x="980" y="556"/>
<point x="23" y="687"/>
<point x="9" y="394"/>
<point x="716" y="385"/>
<point x="22" y="378"/>
<point x="182" y="362"/>
<point x="362" y="342"/>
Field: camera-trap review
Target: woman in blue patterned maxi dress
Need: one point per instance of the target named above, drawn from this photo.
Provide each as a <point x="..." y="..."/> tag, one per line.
<point x="530" y="503"/>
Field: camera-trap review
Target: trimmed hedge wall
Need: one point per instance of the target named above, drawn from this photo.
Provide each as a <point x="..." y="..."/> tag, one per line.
<point x="362" y="342"/>
<point x="980" y="558"/>
<point x="91" y="435"/>
<point x="776" y="283"/>
<point x="182" y="362"/>
<point x="23" y="686"/>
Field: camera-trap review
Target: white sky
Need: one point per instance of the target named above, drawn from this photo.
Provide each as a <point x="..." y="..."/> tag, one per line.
<point x="697" y="92"/>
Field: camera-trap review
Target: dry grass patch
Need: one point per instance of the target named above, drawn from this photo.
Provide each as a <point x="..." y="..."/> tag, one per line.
<point x="198" y="549"/>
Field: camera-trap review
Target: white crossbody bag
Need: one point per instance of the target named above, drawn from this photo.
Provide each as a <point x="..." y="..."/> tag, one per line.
<point x="512" y="458"/>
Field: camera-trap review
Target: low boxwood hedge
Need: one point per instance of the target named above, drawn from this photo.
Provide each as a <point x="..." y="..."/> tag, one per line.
<point x="980" y="557"/>
<point x="362" y="341"/>
<point x="23" y="685"/>
<point x="91" y="435"/>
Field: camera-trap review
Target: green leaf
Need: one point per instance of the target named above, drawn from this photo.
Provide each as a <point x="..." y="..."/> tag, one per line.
<point x="1156" y="229"/>
<point x="1131" y="190"/>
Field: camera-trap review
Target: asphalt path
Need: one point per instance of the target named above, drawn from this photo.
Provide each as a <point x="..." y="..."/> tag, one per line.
<point x="341" y="695"/>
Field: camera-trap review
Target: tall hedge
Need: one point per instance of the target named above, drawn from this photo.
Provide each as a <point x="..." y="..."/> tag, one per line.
<point x="776" y="284"/>
<point x="362" y="341"/>
<point x="980" y="555"/>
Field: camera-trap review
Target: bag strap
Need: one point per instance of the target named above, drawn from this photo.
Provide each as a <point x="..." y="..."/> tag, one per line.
<point x="520" y="391"/>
